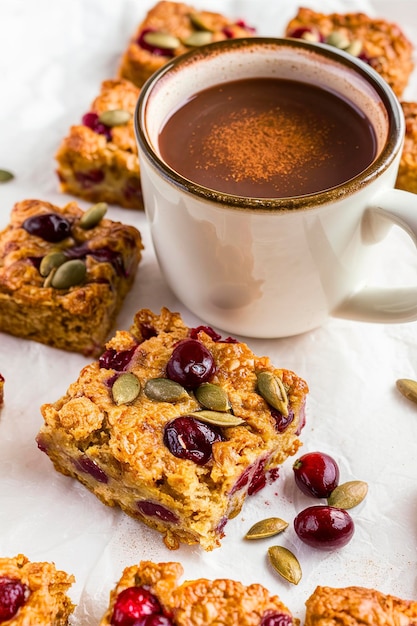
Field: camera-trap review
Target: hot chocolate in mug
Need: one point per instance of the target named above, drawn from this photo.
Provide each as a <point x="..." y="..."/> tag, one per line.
<point x="278" y="257"/>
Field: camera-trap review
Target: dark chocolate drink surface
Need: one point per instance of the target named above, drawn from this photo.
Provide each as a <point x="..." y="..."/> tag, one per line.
<point x="267" y="138"/>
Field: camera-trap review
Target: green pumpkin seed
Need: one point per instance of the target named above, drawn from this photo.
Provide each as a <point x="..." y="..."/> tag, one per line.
<point x="51" y="261"/>
<point x="164" y="390"/>
<point x="338" y="40"/>
<point x="348" y="495"/>
<point x="69" y="274"/>
<point x="273" y="392"/>
<point x="285" y="563"/>
<point x="266" y="528"/>
<point x="197" y="20"/>
<point x="355" y="47"/>
<point x="93" y="215"/>
<point x="161" y="40"/>
<point x="115" y="117"/>
<point x="198" y="38"/>
<point x="212" y="397"/>
<point x="126" y="388"/>
<point x="217" y="418"/>
<point x="5" y="176"/>
<point x="408" y="388"/>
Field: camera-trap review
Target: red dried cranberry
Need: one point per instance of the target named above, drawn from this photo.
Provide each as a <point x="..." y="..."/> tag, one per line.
<point x="101" y="255"/>
<point x="188" y="438"/>
<point x="282" y="421"/>
<point x="155" y="620"/>
<point x="133" y="189"/>
<point x="116" y="359"/>
<point x="206" y="329"/>
<point x="147" y="331"/>
<point x="258" y="480"/>
<point x="220" y="526"/>
<point x="106" y="255"/>
<point x="162" y="52"/>
<point x="91" y="120"/>
<point x="276" y="619"/>
<point x="243" y="24"/>
<point x="49" y="226"/>
<point x="316" y="474"/>
<point x="152" y="509"/>
<point x="88" y="466"/>
<point x="133" y="603"/>
<point x="324" y="527"/>
<point x="309" y="33"/>
<point x="191" y="364"/>
<point x="90" y="178"/>
<point x="41" y="443"/>
<point x="242" y="480"/>
<point x="301" y="419"/>
<point x="13" y="595"/>
<point x="212" y="334"/>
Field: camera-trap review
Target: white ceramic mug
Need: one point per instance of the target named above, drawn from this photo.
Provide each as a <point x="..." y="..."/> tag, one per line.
<point x="275" y="267"/>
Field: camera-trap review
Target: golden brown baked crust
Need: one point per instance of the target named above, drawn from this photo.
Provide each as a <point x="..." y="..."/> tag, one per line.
<point x="78" y="318"/>
<point x="132" y="466"/>
<point x="47" y="603"/>
<point x="1" y="390"/>
<point x="357" y="606"/>
<point x="407" y="172"/>
<point x="103" y="167"/>
<point x="383" y="44"/>
<point x="201" y="602"/>
<point x="181" y="21"/>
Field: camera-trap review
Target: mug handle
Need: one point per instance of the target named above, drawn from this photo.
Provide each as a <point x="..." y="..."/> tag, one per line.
<point x="385" y="304"/>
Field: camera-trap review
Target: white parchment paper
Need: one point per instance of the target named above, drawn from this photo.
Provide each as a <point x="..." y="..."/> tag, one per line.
<point x="53" y="56"/>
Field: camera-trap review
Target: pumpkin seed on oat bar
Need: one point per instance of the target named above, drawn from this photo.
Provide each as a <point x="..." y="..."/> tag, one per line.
<point x="217" y="418"/>
<point x="212" y="397"/>
<point x="93" y="215"/>
<point x="161" y="40"/>
<point x="273" y="392"/>
<point x="126" y="388"/>
<point x="69" y="274"/>
<point x="164" y="390"/>
<point x="115" y="117"/>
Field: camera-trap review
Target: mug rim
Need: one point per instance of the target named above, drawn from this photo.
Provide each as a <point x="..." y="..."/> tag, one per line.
<point x="378" y="166"/>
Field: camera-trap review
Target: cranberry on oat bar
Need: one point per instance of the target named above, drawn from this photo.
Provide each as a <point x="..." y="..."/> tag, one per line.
<point x="98" y="159"/>
<point x="151" y="594"/>
<point x="33" y="594"/>
<point x="64" y="274"/>
<point x="380" y="43"/>
<point x="176" y="426"/>
<point x="170" y="29"/>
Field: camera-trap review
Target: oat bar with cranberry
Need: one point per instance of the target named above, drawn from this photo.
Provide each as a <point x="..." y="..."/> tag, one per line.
<point x="358" y="606"/>
<point x="170" y="29"/>
<point x="153" y="590"/>
<point x="380" y="43"/>
<point x="33" y="594"/>
<point x="64" y="274"/>
<point x="98" y="159"/>
<point x="407" y="173"/>
<point x="176" y="426"/>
